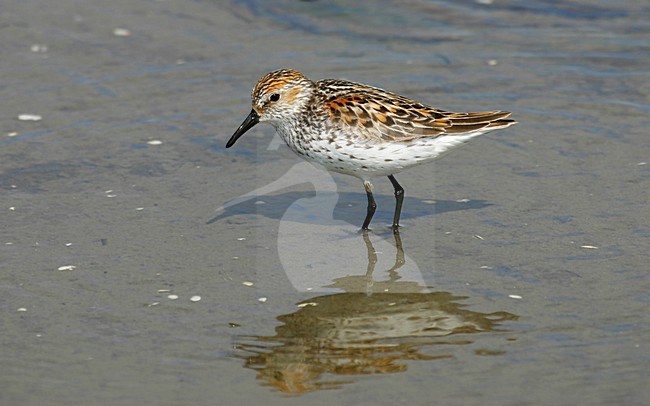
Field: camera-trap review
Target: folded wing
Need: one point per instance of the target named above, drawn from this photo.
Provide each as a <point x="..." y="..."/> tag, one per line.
<point x="375" y="114"/>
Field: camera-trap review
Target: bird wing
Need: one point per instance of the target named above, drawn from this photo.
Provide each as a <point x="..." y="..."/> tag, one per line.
<point x="376" y="114"/>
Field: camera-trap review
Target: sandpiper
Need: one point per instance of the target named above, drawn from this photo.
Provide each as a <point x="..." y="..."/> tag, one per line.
<point x="360" y="130"/>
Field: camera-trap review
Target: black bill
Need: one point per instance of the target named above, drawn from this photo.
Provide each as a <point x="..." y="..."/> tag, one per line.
<point x="252" y="119"/>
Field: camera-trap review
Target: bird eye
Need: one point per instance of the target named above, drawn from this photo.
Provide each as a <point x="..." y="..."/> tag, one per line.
<point x="274" y="97"/>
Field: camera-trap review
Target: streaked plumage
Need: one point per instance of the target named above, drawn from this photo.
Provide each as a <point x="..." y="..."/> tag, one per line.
<point x="360" y="130"/>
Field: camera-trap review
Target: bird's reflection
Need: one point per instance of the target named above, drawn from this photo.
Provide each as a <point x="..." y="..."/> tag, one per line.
<point x="373" y="327"/>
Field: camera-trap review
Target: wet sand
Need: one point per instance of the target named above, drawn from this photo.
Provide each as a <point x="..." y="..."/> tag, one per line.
<point x="521" y="276"/>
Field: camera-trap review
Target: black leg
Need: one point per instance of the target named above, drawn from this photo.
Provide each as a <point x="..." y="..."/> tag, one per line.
<point x="372" y="206"/>
<point x="399" y="198"/>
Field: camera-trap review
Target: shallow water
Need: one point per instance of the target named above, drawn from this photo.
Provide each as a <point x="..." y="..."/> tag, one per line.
<point x="521" y="276"/>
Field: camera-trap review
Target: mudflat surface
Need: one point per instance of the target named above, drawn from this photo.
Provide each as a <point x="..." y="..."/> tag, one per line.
<point x="522" y="276"/>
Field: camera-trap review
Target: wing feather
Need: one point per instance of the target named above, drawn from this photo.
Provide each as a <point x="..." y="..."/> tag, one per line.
<point x="375" y="114"/>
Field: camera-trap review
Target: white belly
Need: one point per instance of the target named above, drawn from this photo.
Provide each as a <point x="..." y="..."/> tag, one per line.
<point x="366" y="160"/>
